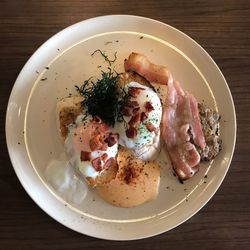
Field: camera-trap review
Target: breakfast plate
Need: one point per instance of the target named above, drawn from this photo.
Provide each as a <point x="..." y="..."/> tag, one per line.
<point x="66" y="60"/>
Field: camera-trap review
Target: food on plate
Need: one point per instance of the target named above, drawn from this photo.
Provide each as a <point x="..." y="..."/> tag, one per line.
<point x="89" y="142"/>
<point x="142" y="117"/>
<point x="113" y="131"/>
<point x="182" y="129"/>
<point x="153" y="73"/>
<point x="136" y="181"/>
<point x="210" y="125"/>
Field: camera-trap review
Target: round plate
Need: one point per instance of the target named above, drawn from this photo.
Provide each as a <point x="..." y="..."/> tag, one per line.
<point x="64" y="61"/>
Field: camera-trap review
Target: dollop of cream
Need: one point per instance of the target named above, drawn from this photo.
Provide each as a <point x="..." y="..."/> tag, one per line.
<point x="63" y="179"/>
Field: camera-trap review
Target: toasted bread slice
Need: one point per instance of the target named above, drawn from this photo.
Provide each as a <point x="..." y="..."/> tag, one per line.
<point x="135" y="183"/>
<point x="67" y="110"/>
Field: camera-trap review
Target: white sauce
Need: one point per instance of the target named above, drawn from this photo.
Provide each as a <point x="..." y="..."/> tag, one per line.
<point x="61" y="176"/>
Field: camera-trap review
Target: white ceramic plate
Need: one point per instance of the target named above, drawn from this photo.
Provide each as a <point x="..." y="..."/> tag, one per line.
<point x="33" y="139"/>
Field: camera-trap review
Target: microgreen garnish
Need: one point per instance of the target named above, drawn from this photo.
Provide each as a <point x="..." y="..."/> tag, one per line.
<point x="103" y="98"/>
<point x="105" y="56"/>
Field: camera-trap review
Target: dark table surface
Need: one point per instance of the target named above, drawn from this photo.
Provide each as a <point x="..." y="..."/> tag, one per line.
<point x="222" y="28"/>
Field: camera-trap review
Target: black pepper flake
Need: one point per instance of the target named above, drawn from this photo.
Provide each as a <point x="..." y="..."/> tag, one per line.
<point x="117" y="41"/>
<point x="186" y="200"/>
<point x="141" y="37"/>
<point x="46" y="67"/>
<point x="99" y="66"/>
<point x="205" y="176"/>
<point x="19" y="143"/>
<point x="93" y="200"/>
<point x="58" y="49"/>
<point x="185" y="189"/>
<point x="23" y="132"/>
<point x="167" y="187"/>
<point x="204" y="182"/>
<point x="44" y="79"/>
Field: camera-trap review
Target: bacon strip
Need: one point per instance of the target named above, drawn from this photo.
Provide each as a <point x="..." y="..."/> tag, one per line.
<point x="151" y="72"/>
<point x="179" y="118"/>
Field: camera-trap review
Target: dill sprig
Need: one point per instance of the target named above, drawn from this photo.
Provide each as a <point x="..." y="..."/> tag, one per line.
<point x="103" y="98"/>
<point x="105" y="56"/>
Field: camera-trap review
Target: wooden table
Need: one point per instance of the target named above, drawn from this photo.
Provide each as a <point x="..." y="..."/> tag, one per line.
<point x="223" y="29"/>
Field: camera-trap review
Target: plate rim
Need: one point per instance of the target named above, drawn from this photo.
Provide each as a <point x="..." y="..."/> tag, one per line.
<point x="69" y="28"/>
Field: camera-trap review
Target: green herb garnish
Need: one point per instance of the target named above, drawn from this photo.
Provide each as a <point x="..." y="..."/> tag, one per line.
<point x="103" y="98"/>
<point x="105" y="56"/>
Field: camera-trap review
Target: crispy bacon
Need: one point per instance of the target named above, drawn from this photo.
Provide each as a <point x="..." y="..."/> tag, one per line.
<point x="97" y="119"/>
<point x="109" y="162"/>
<point x="97" y="164"/>
<point x="136" y="110"/>
<point x="134" y="91"/>
<point x="150" y="127"/>
<point x="95" y="142"/>
<point x="85" y="156"/>
<point x="112" y="139"/>
<point x="144" y="116"/>
<point x="142" y="66"/>
<point x="131" y="132"/>
<point x="148" y="106"/>
<point x="132" y="104"/>
<point x="104" y="157"/>
<point x="135" y="119"/>
<point x="126" y="111"/>
<point x="180" y="117"/>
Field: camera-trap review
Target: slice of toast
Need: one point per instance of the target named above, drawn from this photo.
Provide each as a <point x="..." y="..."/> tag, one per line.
<point x="67" y="110"/>
<point x="135" y="183"/>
